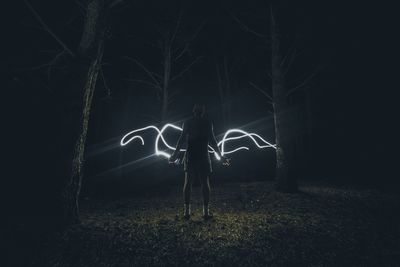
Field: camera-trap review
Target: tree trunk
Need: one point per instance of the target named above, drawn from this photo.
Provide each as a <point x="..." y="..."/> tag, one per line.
<point x="227" y="90"/>
<point x="286" y="180"/>
<point x="221" y="94"/>
<point x="166" y="78"/>
<point x="224" y="89"/>
<point x="90" y="50"/>
<point x="309" y="132"/>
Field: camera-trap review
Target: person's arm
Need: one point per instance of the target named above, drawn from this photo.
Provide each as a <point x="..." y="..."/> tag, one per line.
<point x="181" y="141"/>
<point x="213" y="141"/>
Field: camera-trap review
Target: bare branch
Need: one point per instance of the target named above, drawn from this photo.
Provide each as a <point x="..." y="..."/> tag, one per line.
<point x="221" y="94"/>
<point x="184" y="50"/>
<point x="157" y="27"/>
<point x="190" y="40"/>
<point x="37" y="16"/>
<point x="71" y="19"/>
<point x="104" y="82"/>
<point x="186" y="69"/>
<point x="172" y="96"/>
<point x="157" y="75"/>
<point x="289" y="65"/>
<point x="48" y="64"/>
<point x="152" y="117"/>
<point x="149" y="73"/>
<point x="288" y="52"/>
<point x="37" y="27"/>
<point x="304" y="82"/>
<point x="143" y="82"/>
<point x="225" y="68"/>
<point x="269" y="74"/>
<point x="245" y="27"/>
<point x="235" y="64"/>
<point x="178" y="23"/>
<point x="82" y="8"/>
<point x="198" y="30"/>
<point x="53" y="62"/>
<point x="261" y="91"/>
<point x="115" y="2"/>
<point x="143" y="40"/>
<point x="35" y="67"/>
<point x="294" y="55"/>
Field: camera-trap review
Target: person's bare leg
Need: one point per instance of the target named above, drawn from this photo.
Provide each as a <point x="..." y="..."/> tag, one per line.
<point x="205" y="188"/>
<point x="187" y="190"/>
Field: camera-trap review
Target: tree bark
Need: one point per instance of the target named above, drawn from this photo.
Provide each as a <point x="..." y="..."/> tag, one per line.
<point x="91" y="48"/>
<point x="285" y="178"/>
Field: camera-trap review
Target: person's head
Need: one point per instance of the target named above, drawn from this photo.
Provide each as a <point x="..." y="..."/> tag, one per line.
<point x="199" y="110"/>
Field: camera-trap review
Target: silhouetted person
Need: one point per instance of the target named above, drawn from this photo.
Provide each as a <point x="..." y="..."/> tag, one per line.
<point x="198" y="134"/>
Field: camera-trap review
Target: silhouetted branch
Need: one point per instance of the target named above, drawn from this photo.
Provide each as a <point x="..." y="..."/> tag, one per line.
<point x="37" y="27"/>
<point x="178" y="23"/>
<point x="149" y="73"/>
<point x="188" y="42"/>
<point x="235" y="64"/>
<point x="289" y="65"/>
<point x="172" y="96"/>
<point x="115" y="2"/>
<point x="157" y="75"/>
<point x="186" y="68"/>
<point x="143" y="40"/>
<point x="245" y="27"/>
<point x="104" y="82"/>
<point x="294" y="55"/>
<point x="49" y="64"/>
<point x="37" y="16"/>
<point x="53" y="62"/>
<point x="197" y="31"/>
<point x="143" y="82"/>
<point x="82" y="8"/>
<point x="288" y="52"/>
<point x="262" y="91"/>
<point x="269" y="74"/>
<point x="184" y="50"/>
<point x="304" y="82"/>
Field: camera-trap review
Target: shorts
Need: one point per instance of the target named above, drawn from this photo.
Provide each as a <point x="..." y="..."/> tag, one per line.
<point x="200" y="166"/>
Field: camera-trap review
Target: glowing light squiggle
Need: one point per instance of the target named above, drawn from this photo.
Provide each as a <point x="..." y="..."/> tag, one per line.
<point x="254" y="137"/>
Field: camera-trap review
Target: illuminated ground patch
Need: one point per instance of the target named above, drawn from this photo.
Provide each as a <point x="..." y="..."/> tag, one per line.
<point x="253" y="226"/>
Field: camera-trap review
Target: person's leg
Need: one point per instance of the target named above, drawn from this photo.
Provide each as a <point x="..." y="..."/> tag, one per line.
<point x="187" y="190"/>
<point x="205" y="188"/>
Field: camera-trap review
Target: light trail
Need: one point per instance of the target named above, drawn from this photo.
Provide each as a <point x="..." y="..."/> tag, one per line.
<point x="244" y="134"/>
<point x="254" y="137"/>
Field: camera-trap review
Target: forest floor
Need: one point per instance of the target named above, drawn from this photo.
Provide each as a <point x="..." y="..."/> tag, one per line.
<point x="253" y="226"/>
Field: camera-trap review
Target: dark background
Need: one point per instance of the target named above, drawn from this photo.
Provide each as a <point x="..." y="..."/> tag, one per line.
<point x="352" y="117"/>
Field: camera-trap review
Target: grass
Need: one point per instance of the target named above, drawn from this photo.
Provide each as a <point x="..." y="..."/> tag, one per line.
<point x="253" y="226"/>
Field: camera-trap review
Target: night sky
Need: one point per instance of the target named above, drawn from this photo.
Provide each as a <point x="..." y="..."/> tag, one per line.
<point x="352" y="99"/>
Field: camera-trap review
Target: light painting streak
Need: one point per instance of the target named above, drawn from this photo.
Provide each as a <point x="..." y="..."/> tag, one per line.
<point x="254" y="137"/>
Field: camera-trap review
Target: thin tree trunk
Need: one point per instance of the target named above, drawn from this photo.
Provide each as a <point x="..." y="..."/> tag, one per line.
<point x="91" y="50"/>
<point x="309" y="128"/>
<point x="227" y="90"/>
<point x="286" y="181"/>
<point x="224" y="89"/>
<point x="167" y="77"/>
<point x="221" y="93"/>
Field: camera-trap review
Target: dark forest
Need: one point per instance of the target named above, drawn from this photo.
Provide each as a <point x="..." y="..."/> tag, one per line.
<point x="301" y="97"/>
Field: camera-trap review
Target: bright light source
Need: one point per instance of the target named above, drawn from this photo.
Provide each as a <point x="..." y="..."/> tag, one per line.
<point x="258" y="140"/>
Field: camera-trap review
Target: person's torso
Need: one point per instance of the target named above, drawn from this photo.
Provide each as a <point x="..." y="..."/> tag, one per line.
<point x="197" y="130"/>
